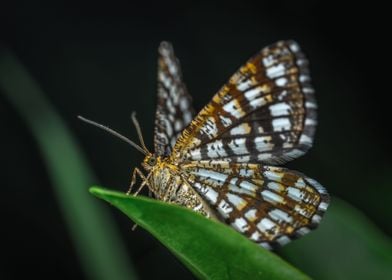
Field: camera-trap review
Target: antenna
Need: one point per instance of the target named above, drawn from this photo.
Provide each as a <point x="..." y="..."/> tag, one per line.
<point x="138" y="130"/>
<point x="115" y="133"/>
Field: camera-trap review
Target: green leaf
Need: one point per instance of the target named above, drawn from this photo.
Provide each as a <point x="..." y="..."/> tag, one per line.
<point x="209" y="249"/>
<point x="93" y="232"/>
<point x="346" y="246"/>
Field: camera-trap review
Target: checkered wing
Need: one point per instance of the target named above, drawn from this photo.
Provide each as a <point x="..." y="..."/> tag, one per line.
<point x="270" y="205"/>
<point x="266" y="113"/>
<point x="174" y="110"/>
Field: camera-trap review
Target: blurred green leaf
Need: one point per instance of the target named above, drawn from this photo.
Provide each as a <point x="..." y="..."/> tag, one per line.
<point x="209" y="249"/>
<point x="97" y="242"/>
<point x="346" y="246"/>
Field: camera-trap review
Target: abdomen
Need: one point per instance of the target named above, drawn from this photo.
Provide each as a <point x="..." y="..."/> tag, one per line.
<point x="169" y="186"/>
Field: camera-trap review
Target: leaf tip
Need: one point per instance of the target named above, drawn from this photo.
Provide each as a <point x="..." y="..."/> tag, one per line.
<point x="95" y="190"/>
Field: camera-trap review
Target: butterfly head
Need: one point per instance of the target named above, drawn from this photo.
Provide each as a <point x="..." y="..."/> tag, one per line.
<point x="150" y="161"/>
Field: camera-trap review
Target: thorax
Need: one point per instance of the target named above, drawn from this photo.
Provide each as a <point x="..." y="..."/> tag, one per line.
<point x="168" y="182"/>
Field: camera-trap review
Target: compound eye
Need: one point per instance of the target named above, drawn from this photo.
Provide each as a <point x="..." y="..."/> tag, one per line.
<point x="152" y="161"/>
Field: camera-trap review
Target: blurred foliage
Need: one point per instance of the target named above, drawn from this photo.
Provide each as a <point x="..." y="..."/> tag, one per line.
<point x="208" y="248"/>
<point x="94" y="234"/>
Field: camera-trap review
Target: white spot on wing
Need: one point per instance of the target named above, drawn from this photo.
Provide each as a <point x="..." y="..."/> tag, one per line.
<point x="316" y="184"/>
<point x="310" y="105"/>
<point x="225" y="121"/>
<point x="304" y="78"/>
<point x="170" y="106"/>
<point x="260" y="129"/>
<point x="210" y="174"/>
<point x="178" y="125"/>
<point x="294" y="193"/>
<point x="303" y="230"/>
<point x="305" y="139"/>
<point x="173" y="142"/>
<point x="294" y="47"/>
<point x="308" y="90"/>
<point x="184" y="103"/>
<point x="275" y="186"/>
<point x="243" y="85"/>
<point x="255" y="236"/>
<point x="246" y="172"/>
<point x="238" y="146"/>
<point x="316" y="219"/>
<point x="241" y="129"/>
<point x="253" y="93"/>
<point x="301" y="62"/>
<point x="235" y="199"/>
<point x="224" y="208"/>
<point x="279" y="109"/>
<point x="280" y="215"/>
<point x="187" y="117"/>
<point x="240" y="224"/>
<point x="198" y="207"/>
<point x="248" y="186"/>
<point x="268" y="61"/>
<point x="300" y="183"/>
<point x="168" y="127"/>
<point x="216" y="149"/>
<point x="310" y="122"/>
<point x="243" y="158"/>
<point x="211" y="195"/>
<point x="265" y="245"/>
<point x="251" y="215"/>
<point x="271" y="197"/>
<point x="323" y="206"/>
<point x="264" y="143"/>
<point x="281" y="124"/>
<point x="234" y="109"/>
<point x="283" y="240"/>
<point x="255" y="103"/>
<point x="273" y="176"/>
<point x="164" y="79"/>
<point x="281" y="82"/>
<point x="275" y="71"/>
<point x="294" y="153"/>
<point x="265" y="225"/>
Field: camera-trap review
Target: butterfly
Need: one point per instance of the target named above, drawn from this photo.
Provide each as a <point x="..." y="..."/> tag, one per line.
<point x="222" y="163"/>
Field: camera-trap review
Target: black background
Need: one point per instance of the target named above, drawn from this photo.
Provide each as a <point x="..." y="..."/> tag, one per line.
<point x="99" y="59"/>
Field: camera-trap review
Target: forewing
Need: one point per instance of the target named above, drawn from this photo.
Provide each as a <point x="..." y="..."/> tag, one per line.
<point x="174" y="109"/>
<point x="266" y="113"/>
<point x="270" y="205"/>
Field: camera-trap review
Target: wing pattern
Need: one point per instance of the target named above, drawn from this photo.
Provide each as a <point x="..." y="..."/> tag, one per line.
<point x="174" y="109"/>
<point x="266" y="113"/>
<point x="270" y="205"/>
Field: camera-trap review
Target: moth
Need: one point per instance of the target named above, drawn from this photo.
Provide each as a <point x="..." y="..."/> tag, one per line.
<point x="222" y="163"/>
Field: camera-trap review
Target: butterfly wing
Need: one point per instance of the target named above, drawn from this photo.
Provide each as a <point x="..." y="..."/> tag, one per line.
<point x="270" y="205"/>
<point x="174" y="109"/>
<point x="266" y="113"/>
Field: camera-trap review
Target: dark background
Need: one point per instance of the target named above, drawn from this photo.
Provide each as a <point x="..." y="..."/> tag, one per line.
<point x="99" y="59"/>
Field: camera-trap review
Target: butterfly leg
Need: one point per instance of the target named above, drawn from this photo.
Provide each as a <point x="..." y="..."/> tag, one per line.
<point x="144" y="183"/>
<point x="136" y="171"/>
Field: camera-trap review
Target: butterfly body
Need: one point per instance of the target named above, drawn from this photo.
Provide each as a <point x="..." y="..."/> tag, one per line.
<point x="166" y="181"/>
<point x="222" y="162"/>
